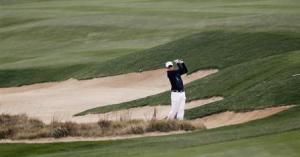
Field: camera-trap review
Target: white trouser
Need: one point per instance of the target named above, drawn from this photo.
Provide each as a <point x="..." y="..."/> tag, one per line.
<point x="177" y="105"/>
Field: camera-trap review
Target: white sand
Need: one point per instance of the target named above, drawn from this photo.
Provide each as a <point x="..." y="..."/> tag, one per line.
<point x="232" y="118"/>
<point x="61" y="100"/>
<point x="143" y="113"/>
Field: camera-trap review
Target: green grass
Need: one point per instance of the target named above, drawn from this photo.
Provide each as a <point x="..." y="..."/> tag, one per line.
<point x="232" y="140"/>
<point x="255" y="44"/>
<point x="255" y="70"/>
<point x="56" y="40"/>
<point x="285" y="144"/>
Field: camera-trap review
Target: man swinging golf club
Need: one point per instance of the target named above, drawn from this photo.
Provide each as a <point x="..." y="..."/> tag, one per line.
<point x="177" y="90"/>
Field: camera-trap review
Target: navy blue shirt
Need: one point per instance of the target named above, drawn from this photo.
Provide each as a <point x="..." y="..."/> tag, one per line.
<point x="175" y="77"/>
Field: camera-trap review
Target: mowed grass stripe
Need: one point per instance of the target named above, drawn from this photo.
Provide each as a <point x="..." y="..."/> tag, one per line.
<point x="71" y="27"/>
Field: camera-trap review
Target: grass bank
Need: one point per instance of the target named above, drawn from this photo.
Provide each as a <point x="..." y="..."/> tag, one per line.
<point x="256" y="71"/>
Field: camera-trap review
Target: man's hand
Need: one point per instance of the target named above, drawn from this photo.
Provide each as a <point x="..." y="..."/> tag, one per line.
<point x="178" y="61"/>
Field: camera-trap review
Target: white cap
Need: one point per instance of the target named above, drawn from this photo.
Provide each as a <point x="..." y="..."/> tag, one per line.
<point x="169" y="63"/>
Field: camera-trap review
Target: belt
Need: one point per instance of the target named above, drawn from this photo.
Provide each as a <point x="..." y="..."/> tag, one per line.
<point x="177" y="91"/>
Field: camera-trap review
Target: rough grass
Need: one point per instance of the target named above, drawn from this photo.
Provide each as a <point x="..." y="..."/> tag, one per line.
<point x="169" y="146"/>
<point x="22" y="127"/>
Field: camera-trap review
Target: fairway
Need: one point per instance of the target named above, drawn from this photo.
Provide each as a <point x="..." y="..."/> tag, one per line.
<point x="286" y="144"/>
<point x="77" y="39"/>
<point x="278" y="145"/>
<point x="78" y="60"/>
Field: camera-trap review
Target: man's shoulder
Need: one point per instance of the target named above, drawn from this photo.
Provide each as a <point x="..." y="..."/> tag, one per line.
<point x="173" y="72"/>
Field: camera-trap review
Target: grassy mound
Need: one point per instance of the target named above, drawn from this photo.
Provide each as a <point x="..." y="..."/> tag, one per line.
<point x="255" y="70"/>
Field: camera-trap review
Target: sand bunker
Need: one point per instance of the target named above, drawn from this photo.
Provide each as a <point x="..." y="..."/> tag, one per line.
<point x="232" y="118"/>
<point x="61" y="100"/>
<point x="143" y="113"/>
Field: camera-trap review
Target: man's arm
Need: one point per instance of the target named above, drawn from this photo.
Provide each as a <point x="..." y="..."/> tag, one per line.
<point x="181" y="67"/>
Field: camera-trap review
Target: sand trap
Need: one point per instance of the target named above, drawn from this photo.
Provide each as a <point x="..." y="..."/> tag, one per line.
<point x="61" y="100"/>
<point x="210" y="122"/>
<point x="232" y="118"/>
<point x="143" y="113"/>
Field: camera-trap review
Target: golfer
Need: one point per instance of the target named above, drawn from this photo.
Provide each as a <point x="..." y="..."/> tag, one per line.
<point x="177" y="90"/>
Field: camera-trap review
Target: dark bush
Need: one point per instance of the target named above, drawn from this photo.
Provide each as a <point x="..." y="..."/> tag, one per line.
<point x="138" y="129"/>
<point x="60" y="132"/>
<point x="5" y="133"/>
<point x="104" y="124"/>
<point x="72" y="128"/>
<point x="169" y="125"/>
